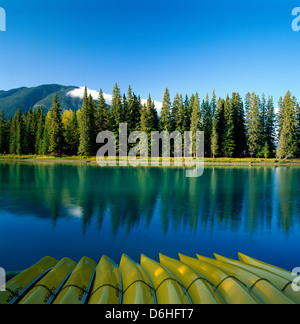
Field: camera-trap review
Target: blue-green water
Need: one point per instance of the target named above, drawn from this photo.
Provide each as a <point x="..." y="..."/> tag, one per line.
<point x="66" y="210"/>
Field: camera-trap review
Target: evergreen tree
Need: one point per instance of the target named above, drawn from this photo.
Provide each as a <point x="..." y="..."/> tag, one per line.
<point x="287" y="144"/>
<point x="228" y="143"/>
<point x="87" y="133"/>
<point x="255" y="127"/>
<point x="16" y="134"/>
<point x="270" y="128"/>
<point x="239" y="132"/>
<point x="214" y="138"/>
<point x="55" y="130"/>
<point x="195" y="122"/>
<point x="116" y="116"/>
<point x="165" y="117"/>
<point x="3" y="134"/>
<point x="220" y="120"/>
<point x="207" y="125"/>
<point x="40" y="131"/>
<point x="102" y="114"/>
<point x="70" y="132"/>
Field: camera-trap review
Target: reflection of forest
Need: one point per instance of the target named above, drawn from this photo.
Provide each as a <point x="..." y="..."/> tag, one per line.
<point x="251" y="199"/>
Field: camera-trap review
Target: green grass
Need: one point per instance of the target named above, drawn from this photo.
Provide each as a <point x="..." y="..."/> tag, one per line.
<point x="206" y="160"/>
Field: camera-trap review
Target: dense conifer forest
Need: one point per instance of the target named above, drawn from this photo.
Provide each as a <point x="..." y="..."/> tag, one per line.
<point x="233" y="126"/>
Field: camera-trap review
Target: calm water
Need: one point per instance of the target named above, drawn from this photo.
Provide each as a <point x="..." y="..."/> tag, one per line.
<point x="78" y="210"/>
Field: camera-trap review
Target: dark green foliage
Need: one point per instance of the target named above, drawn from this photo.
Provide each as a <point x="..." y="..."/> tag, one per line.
<point x="232" y="127"/>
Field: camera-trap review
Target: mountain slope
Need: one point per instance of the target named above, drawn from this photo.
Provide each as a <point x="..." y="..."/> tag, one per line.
<point x="25" y="98"/>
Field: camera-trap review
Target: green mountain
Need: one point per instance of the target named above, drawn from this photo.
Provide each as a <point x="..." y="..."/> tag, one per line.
<point x="25" y="98"/>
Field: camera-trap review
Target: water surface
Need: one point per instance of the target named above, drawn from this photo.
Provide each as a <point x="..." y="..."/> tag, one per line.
<point x="74" y="210"/>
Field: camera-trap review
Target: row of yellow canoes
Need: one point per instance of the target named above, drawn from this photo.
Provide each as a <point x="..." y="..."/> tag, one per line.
<point x="188" y="280"/>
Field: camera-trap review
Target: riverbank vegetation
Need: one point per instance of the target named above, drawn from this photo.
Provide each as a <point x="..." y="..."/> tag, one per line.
<point x="234" y="128"/>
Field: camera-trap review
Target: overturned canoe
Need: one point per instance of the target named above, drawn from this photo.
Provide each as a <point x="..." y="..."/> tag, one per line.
<point x="198" y="280"/>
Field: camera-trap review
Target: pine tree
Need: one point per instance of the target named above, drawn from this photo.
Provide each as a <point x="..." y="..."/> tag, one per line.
<point x="255" y="127"/>
<point x="55" y="130"/>
<point x="214" y="138"/>
<point x="165" y="117"/>
<point x="87" y="133"/>
<point x="3" y="134"/>
<point x="70" y="132"/>
<point x="187" y="113"/>
<point x="207" y="125"/>
<point x="116" y="115"/>
<point x="195" y="123"/>
<point x="270" y="128"/>
<point x="16" y="134"/>
<point x="239" y="132"/>
<point x="102" y="114"/>
<point x="287" y="144"/>
<point x="220" y="120"/>
<point x="40" y="131"/>
<point x="228" y="143"/>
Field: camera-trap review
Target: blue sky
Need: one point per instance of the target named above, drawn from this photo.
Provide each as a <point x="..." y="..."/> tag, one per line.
<point x="189" y="46"/>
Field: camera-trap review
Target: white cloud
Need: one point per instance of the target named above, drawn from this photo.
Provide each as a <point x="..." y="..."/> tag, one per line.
<point x="79" y="92"/>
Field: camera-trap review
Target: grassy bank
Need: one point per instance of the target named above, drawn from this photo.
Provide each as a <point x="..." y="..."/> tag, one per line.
<point x="209" y="161"/>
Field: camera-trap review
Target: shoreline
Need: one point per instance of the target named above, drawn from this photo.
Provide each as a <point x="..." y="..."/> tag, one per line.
<point x="207" y="161"/>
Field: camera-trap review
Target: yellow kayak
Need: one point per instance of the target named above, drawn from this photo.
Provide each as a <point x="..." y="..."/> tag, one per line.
<point x="76" y="288"/>
<point x="198" y="288"/>
<point x="231" y="290"/>
<point x="46" y="289"/>
<point x="278" y="282"/>
<point x="168" y="289"/>
<point x="18" y="286"/>
<point x="262" y="289"/>
<point x="107" y="285"/>
<point x="279" y="272"/>
<point x="137" y="288"/>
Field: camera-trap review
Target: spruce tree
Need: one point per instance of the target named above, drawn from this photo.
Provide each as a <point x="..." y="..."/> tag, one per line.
<point x="255" y="127"/>
<point x="228" y="143"/>
<point x="165" y="117"/>
<point x="87" y="133"/>
<point x="287" y="144"/>
<point x="16" y="134"/>
<point x="101" y="114"/>
<point x="70" y="132"/>
<point x="3" y="134"/>
<point x="195" y="122"/>
<point x="55" y="130"/>
<point x="214" y="138"/>
<point x="270" y="127"/>
<point x="40" y="131"/>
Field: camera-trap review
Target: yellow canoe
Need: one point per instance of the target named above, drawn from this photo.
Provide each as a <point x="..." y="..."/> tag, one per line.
<point x="77" y="287"/>
<point x="47" y="288"/>
<point x="262" y="289"/>
<point x="282" y="284"/>
<point x="107" y="285"/>
<point x="137" y="288"/>
<point x="167" y="287"/>
<point x="19" y="285"/>
<point x="231" y="290"/>
<point x="198" y="287"/>
<point x="279" y="272"/>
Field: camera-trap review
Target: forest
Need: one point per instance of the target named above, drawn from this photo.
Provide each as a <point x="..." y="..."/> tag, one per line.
<point x="234" y="127"/>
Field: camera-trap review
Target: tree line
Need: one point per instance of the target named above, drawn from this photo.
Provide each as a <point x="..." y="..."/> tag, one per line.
<point x="233" y="126"/>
